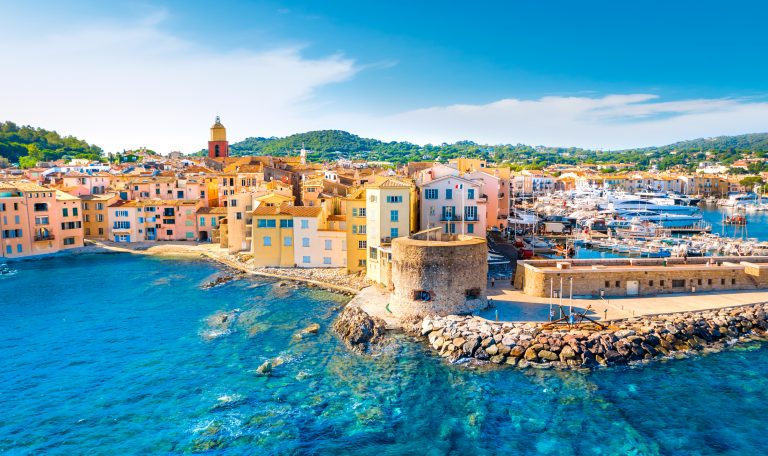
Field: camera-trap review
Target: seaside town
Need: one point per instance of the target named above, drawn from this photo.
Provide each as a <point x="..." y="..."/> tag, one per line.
<point x="424" y="240"/>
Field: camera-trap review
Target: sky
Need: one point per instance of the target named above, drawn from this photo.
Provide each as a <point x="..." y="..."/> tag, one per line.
<point x="595" y="74"/>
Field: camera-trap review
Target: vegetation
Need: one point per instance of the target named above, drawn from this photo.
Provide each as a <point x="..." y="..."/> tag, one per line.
<point x="330" y="145"/>
<point x="27" y="145"/>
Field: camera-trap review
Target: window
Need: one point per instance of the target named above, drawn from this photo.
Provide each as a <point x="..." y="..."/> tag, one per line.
<point x="393" y="233"/>
<point x="101" y="231"/>
<point x="99" y="217"/>
<point x="266" y="223"/>
<point x="267" y="241"/>
<point x="169" y="232"/>
<point x="306" y="259"/>
<point x="618" y="283"/>
<point x="448" y="193"/>
<point x="394" y="199"/>
<point x="733" y="281"/>
<point x="305" y="242"/>
<point x="188" y="223"/>
<point x="471" y="193"/>
<point x="233" y="202"/>
<point x="65" y="212"/>
<point x="362" y="212"/>
<point x="421" y="295"/>
<point x="470" y="213"/>
<point x="8" y="249"/>
<point x="328" y="244"/>
<point x="362" y="245"/>
<point x="202" y="221"/>
<point x="286" y="223"/>
<point x="722" y="281"/>
<point x="41" y="220"/>
<point x="394" y="216"/>
<point x="287" y="241"/>
<point x="372" y="198"/>
<point x="304" y="224"/>
<point x="326" y="260"/>
<point x="373" y="253"/>
<point x="449" y="228"/>
<point x="69" y="241"/>
<point x="344" y="245"/>
<point x="661" y="283"/>
<point x="2" y="207"/>
<point x="607" y="284"/>
<point x="17" y="219"/>
<point x="430" y="194"/>
<point x="354" y="212"/>
<point x="169" y="212"/>
<point x="472" y="293"/>
<point x="141" y="219"/>
<point x="239" y="216"/>
<point x="361" y="263"/>
<point x="650" y="283"/>
<point x="709" y="281"/>
<point x="699" y="281"/>
<point x="471" y="228"/>
<point x="678" y="283"/>
<point x="74" y="211"/>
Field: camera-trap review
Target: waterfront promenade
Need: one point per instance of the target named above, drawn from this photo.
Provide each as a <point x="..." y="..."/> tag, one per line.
<point x="506" y="298"/>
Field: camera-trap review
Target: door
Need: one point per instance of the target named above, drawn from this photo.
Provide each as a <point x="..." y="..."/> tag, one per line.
<point x="633" y="287"/>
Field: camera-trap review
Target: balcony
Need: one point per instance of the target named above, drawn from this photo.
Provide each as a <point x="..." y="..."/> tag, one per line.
<point x="44" y="237"/>
<point x="450" y="218"/>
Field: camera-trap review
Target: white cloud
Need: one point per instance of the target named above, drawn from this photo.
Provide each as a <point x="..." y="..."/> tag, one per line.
<point x="127" y="85"/>
<point x="608" y="122"/>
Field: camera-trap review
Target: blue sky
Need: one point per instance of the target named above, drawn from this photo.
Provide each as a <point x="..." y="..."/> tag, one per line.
<point x="592" y="74"/>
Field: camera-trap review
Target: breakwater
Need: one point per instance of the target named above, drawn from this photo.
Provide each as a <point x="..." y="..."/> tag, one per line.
<point x="639" y="339"/>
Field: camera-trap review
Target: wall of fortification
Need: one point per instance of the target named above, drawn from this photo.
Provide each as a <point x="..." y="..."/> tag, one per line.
<point x="438" y="278"/>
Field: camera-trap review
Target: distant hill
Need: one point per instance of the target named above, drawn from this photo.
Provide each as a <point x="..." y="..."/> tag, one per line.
<point x="330" y="144"/>
<point x="27" y="145"/>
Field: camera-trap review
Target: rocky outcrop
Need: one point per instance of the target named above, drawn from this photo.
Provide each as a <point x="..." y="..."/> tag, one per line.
<point x="634" y="340"/>
<point x="221" y="280"/>
<point x="359" y="330"/>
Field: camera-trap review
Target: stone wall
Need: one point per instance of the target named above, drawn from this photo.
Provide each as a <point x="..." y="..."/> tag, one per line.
<point x="612" y="276"/>
<point x="438" y="277"/>
<point x="633" y="340"/>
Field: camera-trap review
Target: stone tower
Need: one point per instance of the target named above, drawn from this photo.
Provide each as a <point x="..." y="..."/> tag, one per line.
<point x="218" y="146"/>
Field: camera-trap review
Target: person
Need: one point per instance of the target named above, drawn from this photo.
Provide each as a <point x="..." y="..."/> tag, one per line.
<point x="493" y="282"/>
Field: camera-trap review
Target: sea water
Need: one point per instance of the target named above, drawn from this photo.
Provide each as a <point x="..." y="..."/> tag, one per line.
<point x="121" y="354"/>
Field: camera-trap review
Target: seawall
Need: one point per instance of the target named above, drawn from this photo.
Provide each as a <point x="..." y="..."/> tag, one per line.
<point x="460" y="338"/>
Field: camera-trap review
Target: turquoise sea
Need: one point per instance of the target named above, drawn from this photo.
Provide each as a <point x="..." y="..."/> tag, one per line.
<point x="116" y="354"/>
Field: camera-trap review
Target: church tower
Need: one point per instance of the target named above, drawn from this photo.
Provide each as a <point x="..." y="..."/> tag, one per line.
<point x="218" y="147"/>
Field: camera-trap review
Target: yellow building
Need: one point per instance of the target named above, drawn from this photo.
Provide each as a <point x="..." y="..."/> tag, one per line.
<point x="272" y="239"/>
<point x="389" y="204"/>
<point x="357" y="225"/>
<point x="95" y="215"/>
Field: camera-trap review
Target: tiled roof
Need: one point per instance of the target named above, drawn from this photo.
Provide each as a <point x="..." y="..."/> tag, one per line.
<point x="295" y="211"/>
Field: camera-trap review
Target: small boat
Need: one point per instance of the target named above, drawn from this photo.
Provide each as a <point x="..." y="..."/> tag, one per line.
<point x="6" y="270"/>
<point x="739" y="220"/>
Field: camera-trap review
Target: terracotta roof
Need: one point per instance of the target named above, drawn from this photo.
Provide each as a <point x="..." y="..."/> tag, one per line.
<point x="295" y="211"/>
<point x="212" y="210"/>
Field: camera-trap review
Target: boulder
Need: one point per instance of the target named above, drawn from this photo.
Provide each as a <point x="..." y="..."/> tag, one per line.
<point x="531" y="355"/>
<point x="567" y="353"/>
<point x="359" y="331"/>
<point x="548" y="355"/>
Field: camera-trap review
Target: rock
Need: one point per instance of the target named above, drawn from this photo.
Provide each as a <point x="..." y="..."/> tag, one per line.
<point x="511" y="361"/>
<point x="548" y="355"/>
<point x="313" y="328"/>
<point x="359" y="331"/>
<point x="517" y="351"/>
<point x="498" y="359"/>
<point x="567" y="353"/>
<point x="481" y="354"/>
<point x="265" y="369"/>
<point x="531" y="355"/>
<point x="492" y="349"/>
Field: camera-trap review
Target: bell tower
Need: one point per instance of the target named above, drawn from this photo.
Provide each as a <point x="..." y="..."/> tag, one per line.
<point x="218" y="146"/>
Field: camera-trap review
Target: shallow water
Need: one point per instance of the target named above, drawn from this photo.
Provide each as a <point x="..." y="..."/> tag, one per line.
<point x="127" y="355"/>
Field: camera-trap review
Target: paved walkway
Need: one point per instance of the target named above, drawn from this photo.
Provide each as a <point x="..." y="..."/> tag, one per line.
<point x="373" y="300"/>
<point x="631" y="306"/>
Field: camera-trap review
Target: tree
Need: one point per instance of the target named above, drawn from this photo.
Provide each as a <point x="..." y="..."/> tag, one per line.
<point x="750" y="181"/>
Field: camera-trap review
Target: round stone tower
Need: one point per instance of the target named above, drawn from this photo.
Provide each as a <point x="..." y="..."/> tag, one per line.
<point x="442" y="277"/>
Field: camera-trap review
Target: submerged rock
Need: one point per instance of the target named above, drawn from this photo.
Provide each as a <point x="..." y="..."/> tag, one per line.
<point x="221" y="280"/>
<point x="359" y="331"/>
<point x="313" y="328"/>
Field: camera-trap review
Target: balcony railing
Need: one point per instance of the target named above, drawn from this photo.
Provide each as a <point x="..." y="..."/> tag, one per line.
<point x="44" y="237"/>
<point x="450" y="218"/>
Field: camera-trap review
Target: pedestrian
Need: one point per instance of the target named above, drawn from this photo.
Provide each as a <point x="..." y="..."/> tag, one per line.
<point x="493" y="282"/>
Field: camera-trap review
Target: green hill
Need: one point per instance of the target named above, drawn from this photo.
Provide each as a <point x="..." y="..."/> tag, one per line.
<point x="328" y="145"/>
<point x="27" y="145"/>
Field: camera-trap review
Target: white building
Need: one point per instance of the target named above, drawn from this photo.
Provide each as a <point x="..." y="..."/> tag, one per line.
<point x="455" y="204"/>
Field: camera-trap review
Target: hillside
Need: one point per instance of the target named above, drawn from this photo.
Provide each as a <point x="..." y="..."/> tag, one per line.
<point x="331" y="144"/>
<point x="27" y="145"/>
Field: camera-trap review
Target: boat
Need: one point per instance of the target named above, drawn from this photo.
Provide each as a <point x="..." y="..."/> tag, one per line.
<point x="738" y="220"/>
<point x="664" y="220"/>
<point x="522" y="218"/>
<point x="635" y="228"/>
<point x="6" y="270"/>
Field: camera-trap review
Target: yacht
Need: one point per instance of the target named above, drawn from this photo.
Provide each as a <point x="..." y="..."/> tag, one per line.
<point x="662" y="205"/>
<point x="664" y="220"/>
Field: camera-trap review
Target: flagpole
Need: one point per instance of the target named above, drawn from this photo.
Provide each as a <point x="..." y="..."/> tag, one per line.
<point x="463" y="216"/>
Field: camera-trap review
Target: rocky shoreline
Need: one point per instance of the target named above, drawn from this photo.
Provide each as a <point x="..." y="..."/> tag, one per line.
<point x="641" y="339"/>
